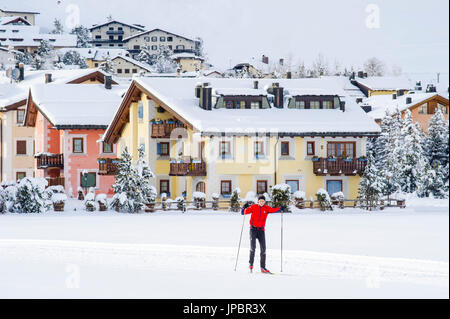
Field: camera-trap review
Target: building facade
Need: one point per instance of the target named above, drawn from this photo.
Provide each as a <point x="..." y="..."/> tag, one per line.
<point x="112" y="34"/>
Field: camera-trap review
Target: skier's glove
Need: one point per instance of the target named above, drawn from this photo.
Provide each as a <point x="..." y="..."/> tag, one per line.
<point x="246" y="205"/>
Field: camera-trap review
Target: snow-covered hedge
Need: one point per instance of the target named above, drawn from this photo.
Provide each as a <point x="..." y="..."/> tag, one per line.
<point x="281" y="196"/>
<point x="101" y="198"/>
<point x="300" y="195"/>
<point x="324" y="199"/>
<point x="338" y="196"/>
<point x="58" y="198"/>
<point x="199" y="196"/>
<point x="31" y="197"/>
<point x="215" y="196"/>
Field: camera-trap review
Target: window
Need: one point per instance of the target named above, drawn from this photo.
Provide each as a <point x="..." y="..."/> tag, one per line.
<point x="21" y="147"/>
<point x="327" y="104"/>
<point x="225" y="187"/>
<point x="229" y="104"/>
<point x="111" y="28"/>
<point x="96" y="65"/>
<point x="225" y="149"/>
<point x="107" y="148"/>
<point x="259" y="149"/>
<point x="136" y="47"/>
<point x="241" y="105"/>
<point x="341" y="149"/>
<point x="314" y="105"/>
<point x="443" y="108"/>
<point x="162" y="39"/>
<point x="127" y="71"/>
<point x="285" y="148"/>
<point x="261" y="187"/>
<point x="310" y="148"/>
<point x="20" y="116"/>
<point x="140" y="111"/>
<point x="170" y="47"/>
<point x="163" y="149"/>
<point x="154" y="47"/>
<point x="154" y="39"/>
<point x="164" y="186"/>
<point x="147" y="39"/>
<point x="78" y="145"/>
<point x="423" y="109"/>
<point x="111" y="37"/>
<point x="120" y="28"/>
<point x="99" y="37"/>
<point x="88" y="180"/>
<point x="180" y="47"/>
<point x="20" y="175"/>
<point x="293" y="184"/>
<point x="334" y="186"/>
<point x="134" y="71"/>
<point x="170" y="39"/>
<point x="255" y="105"/>
<point x="119" y="71"/>
<point x="200" y="187"/>
<point x="299" y="104"/>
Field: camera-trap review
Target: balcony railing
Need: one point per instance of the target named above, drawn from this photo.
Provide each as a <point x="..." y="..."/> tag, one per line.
<point x="339" y="166"/>
<point x="188" y="169"/>
<point x="163" y="130"/>
<point x="54" y="181"/>
<point x="108" y="166"/>
<point x="46" y="161"/>
<point x="114" y="32"/>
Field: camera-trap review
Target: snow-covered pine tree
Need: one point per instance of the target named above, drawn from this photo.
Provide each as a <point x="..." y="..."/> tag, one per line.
<point x="235" y="200"/>
<point x="413" y="159"/>
<point x="44" y="57"/>
<point x="25" y="58"/>
<point x="437" y="144"/>
<point x="83" y="36"/>
<point x="58" y="27"/>
<point x="74" y="58"/>
<point x="371" y="185"/>
<point x="145" y="56"/>
<point x="126" y="194"/>
<point x="281" y="196"/>
<point x="432" y="183"/>
<point x="31" y="197"/>
<point x="144" y="176"/>
<point x="107" y="65"/>
<point x="163" y="62"/>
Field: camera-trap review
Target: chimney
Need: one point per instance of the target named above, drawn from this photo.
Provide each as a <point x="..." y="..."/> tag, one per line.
<point x="255" y="85"/>
<point x="431" y="88"/>
<point x="394" y="96"/>
<point x="360" y="74"/>
<point x="408" y="100"/>
<point x="400" y="92"/>
<point x="48" y="77"/>
<point x="21" y="72"/>
<point x="342" y="106"/>
<point x="366" y="107"/>
<point x="359" y="100"/>
<point x="108" y="82"/>
<point x="178" y="72"/>
<point x="198" y="87"/>
<point x="288" y="75"/>
<point x="352" y="76"/>
<point x="365" y="74"/>
<point x="265" y="59"/>
<point x="278" y="95"/>
<point x="205" y="100"/>
<point x="281" y="61"/>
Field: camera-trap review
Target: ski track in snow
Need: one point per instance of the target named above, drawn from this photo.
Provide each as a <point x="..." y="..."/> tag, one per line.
<point x="221" y="259"/>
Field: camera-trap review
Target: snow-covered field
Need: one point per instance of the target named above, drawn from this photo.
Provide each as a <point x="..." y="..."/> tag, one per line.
<point x="395" y="253"/>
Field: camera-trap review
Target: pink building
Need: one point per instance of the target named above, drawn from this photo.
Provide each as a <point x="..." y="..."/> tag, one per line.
<point x="69" y="121"/>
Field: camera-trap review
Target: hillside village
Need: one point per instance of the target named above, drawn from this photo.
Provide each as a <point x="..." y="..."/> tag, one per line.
<point x="74" y="104"/>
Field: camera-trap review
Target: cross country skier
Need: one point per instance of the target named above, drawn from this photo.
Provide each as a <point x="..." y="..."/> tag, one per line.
<point x="257" y="222"/>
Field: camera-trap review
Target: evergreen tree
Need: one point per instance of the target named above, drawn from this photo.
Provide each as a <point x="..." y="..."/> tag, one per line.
<point x="107" y="65"/>
<point x="145" y="56"/>
<point x="44" y="57"/>
<point x="371" y="185"/>
<point x="83" y="36"/>
<point x="58" y="27"/>
<point x="163" y="62"/>
<point x="25" y="58"/>
<point x="74" y="58"/>
<point x="30" y="197"/>
<point x="281" y="196"/>
<point x="437" y="144"/>
<point x="144" y="176"/>
<point x="235" y="200"/>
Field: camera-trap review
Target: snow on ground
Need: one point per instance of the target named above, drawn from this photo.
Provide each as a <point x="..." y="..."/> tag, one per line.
<point x="351" y="253"/>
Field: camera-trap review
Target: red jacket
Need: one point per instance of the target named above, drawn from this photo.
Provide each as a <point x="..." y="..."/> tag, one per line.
<point x="259" y="214"/>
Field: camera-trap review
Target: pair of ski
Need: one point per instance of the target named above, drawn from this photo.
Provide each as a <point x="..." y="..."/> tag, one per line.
<point x="263" y="273"/>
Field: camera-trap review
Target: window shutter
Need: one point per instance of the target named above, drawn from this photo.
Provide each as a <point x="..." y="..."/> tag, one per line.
<point x="91" y="179"/>
<point x="21" y="147"/>
<point x="158" y="149"/>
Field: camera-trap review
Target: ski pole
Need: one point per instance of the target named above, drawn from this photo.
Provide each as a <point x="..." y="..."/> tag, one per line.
<point x="240" y="239"/>
<point x="281" y="241"/>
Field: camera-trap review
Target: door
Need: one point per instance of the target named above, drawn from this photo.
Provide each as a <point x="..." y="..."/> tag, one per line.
<point x="334" y="186"/>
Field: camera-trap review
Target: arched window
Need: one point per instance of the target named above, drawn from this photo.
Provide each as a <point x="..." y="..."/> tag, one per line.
<point x="200" y="187"/>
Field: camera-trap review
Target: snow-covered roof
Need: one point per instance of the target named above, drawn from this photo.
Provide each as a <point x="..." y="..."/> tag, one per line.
<point x="385" y="103"/>
<point x="153" y="30"/>
<point x="19" y="35"/>
<point x="386" y="83"/>
<point x="95" y="26"/>
<point x="186" y="55"/>
<point x="7" y="20"/>
<point x="178" y="95"/>
<point x="135" y="62"/>
<point x="97" y="54"/>
<point x="239" y="91"/>
<point x="432" y="78"/>
<point x="9" y="10"/>
<point x="71" y="105"/>
<point x="12" y="93"/>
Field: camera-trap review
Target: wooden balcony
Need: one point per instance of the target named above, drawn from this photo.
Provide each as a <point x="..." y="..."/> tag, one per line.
<point x="54" y="181"/>
<point x="188" y="169"/>
<point x="46" y="161"/>
<point x="108" y="166"/>
<point x="339" y="166"/>
<point x="163" y="130"/>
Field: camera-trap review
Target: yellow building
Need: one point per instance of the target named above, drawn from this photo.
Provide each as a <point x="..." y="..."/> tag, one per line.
<point x="383" y="85"/>
<point x="237" y="133"/>
<point x="188" y="62"/>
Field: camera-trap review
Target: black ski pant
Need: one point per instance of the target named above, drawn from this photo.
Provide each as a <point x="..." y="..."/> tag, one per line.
<point x="257" y="233"/>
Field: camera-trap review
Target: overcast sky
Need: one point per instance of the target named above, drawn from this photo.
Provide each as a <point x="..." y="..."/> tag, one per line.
<point x="412" y="34"/>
